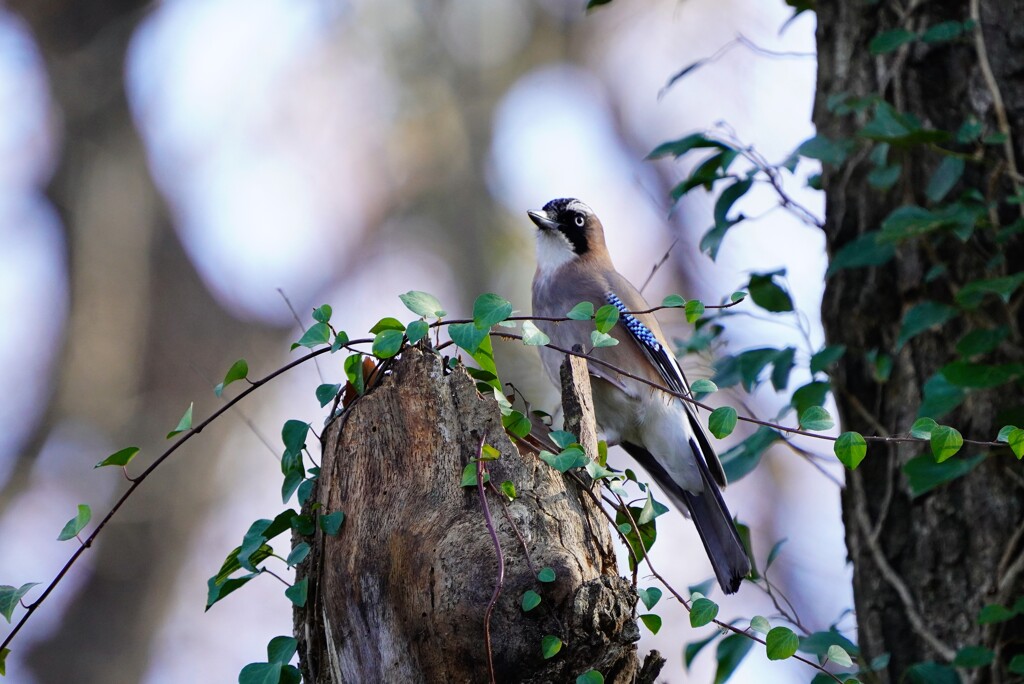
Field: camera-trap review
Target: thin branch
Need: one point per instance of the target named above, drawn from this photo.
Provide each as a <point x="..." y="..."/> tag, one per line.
<point x="302" y="327"/>
<point x="480" y="469"/>
<point x="661" y="262"/>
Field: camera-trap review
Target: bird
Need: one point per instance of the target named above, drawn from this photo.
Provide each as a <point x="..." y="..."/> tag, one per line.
<point x="661" y="431"/>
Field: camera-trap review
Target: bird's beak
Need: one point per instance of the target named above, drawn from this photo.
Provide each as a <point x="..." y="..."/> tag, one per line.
<point x="542" y="220"/>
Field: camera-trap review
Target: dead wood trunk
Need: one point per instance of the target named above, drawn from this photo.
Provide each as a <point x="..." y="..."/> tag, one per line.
<point x="401" y="594"/>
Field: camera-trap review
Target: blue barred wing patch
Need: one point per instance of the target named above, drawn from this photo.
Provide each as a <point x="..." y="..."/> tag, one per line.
<point x="662" y="358"/>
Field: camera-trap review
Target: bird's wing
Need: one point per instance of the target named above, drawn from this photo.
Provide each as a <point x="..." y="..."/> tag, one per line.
<point x="653" y="345"/>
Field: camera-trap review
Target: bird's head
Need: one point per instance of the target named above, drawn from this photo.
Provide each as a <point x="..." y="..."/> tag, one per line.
<point x="568" y="230"/>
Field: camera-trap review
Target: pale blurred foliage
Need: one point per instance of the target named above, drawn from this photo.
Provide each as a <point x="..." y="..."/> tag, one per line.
<point x="346" y="153"/>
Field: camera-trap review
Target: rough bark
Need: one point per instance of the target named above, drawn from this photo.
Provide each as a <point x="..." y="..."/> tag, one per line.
<point x="924" y="567"/>
<point x="402" y="593"/>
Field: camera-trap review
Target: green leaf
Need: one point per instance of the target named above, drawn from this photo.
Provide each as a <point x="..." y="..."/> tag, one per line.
<point x="674" y="301"/>
<point x="467" y="336"/>
<point x="695" y="647"/>
<point x="340" y="340"/>
<point x="297" y="592"/>
<point x="973" y="293"/>
<point x="508" y="488"/>
<point x="774" y="553"/>
<point x="767" y="294"/>
<point x="924" y="316"/>
<point x="940" y="397"/>
<point x="606" y="318"/>
<point x="861" y="252"/>
<point x="562" y="438"/>
<point x="702" y="612"/>
<point x="782" y="366"/>
<point x="331" y="523"/>
<point x="839" y="656"/>
<point x="980" y="375"/>
<point x="490" y="309"/>
<point x="994" y="613"/>
<point x="703" y="386"/>
<point x="741" y="459"/>
<point x="119" y="458"/>
<point x="826" y="150"/>
<point x="4" y="652"/>
<point x="945" y="442"/>
<point x="913" y="221"/>
<point x="293" y="434"/>
<point x="945" y="31"/>
<point x="1016" y="441"/>
<point x="730" y="653"/>
<point x="76" y="524"/>
<point x="416" y="331"/>
<point x="422" y="304"/>
<point x="469" y="475"/>
<point x="737" y="296"/>
<point x="1016" y="665"/>
<point x="651" y="622"/>
<point x="568" y="459"/>
<point x="678" y="148"/>
<point x="694" y="310"/>
<point x="387" y="343"/>
<point x="592" y="676"/>
<point x="322" y="313"/>
<point x="217" y="591"/>
<point x="981" y="341"/>
<point x="781" y="643"/>
<point x="884" y="177"/>
<point x="326" y="393"/>
<point x="819" y="643"/>
<point x="1004" y="433"/>
<point x="922" y="428"/>
<point x="546" y="575"/>
<point x="533" y="336"/>
<point x="974" y="656"/>
<point x="583" y="311"/>
<point x="298" y="554"/>
<point x="728" y="198"/>
<point x="600" y="339"/>
<point x="550" y="645"/>
<point x="11" y="596"/>
<point x="760" y="624"/>
<point x="387" y="323"/>
<point x="722" y="421"/>
<point x="850" y="448"/>
<point x="651" y="510"/>
<point x="924" y="474"/>
<point x="531" y="600"/>
<point x="811" y="394"/>
<point x="711" y="242"/>
<point x="184" y="424"/>
<point x="944" y="178"/>
<point x="354" y="373"/>
<point x="816" y="418"/>
<point x="281" y="649"/>
<point x="517" y="424"/>
<point x="828" y="356"/>
<point x="888" y="41"/>
<point x="260" y="673"/>
<point x="315" y="335"/>
<point x="649" y="597"/>
<point x="238" y="371"/>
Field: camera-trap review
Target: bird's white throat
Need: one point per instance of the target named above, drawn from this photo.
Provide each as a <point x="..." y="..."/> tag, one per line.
<point x="554" y="250"/>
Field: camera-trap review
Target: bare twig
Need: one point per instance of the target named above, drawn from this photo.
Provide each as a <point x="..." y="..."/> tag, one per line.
<point x="661" y="262"/>
<point x="480" y="470"/>
<point x="302" y="327"/>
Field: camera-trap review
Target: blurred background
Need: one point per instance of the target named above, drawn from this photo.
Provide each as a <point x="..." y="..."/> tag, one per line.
<point x="168" y="170"/>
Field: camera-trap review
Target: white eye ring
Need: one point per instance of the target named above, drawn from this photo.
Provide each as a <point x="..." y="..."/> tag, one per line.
<point x="580" y="220"/>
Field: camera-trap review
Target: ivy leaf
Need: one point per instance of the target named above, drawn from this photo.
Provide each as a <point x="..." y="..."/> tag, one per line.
<point x="570" y="458"/>
<point x="591" y="676"/>
<point x="606" y="318"/>
<point x="330" y="523"/>
<point x="422" y="304"/>
<point x="650" y="597"/>
<point x="184" y="424"/>
<point x="888" y="41"/>
<point x="728" y="198"/>
<point x="550" y="646"/>
<point x="546" y="575"/>
<point x="781" y="643"/>
<point x="281" y="649"/>
<point x="238" y="371"/>
<point x="490" y="309"/>
<point x="816" y="418"/>
<point x="677" y="148"/>
<point x="760" y="624"/>
<point x="534" y="336"/>
<point x="562" y="438"/>
<point x="981" y="341"/>
<point x="850" y="448"/>
<point x="922" y="317"/>
<point x="119" y="458"/>
<point x="387" y="323"/>
<point x="944" y="178"/>
<point x="673" y="301"/>
<point x="924" y="474"/>
<point x="741" y="459"/>
<point x="974" y="656"/>
<point x="11" y="596"/>
<point x="416" y="331"/>
<point x="994" y="613"/>
<point x="469" y="475"/>
<point x="703" y="386"/>
<point x="1016" y="441"/>
<point x="821" y="361"/>
<point x="730" y="653"/>
<point x="973" y="293"/>
<point x="694" y="310"/>
<point x="600" y="339"/>
<point x="322" y="313"/>
<point x="583" y="311"/>
<point x="861" y="252"/>
<point x="945" y="442"/>
<point x="825" y="150"/>
<point x="315" y="335"/>
<point x="297" y="592"/>
<point x="722" y="421"/>
<point x="942" y="32"/>
<point x="76" y="524"/>
<point x="531" y="600"/>
<point x="467" y="336"/>
<point x="325" y="393"/>
<point x="702" y="612"/>
<point x="651" y="622"/>
<point x="922" y="428"/>
<point x="774" y="553"/>
<point x="838" y="655"/>
<point x="767" y="294"/>
<point x="508" y="488"/>
<point x="387" y="343"/>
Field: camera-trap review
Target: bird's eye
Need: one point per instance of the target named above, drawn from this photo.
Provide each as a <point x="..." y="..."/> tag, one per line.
<point x="580" y="220"/>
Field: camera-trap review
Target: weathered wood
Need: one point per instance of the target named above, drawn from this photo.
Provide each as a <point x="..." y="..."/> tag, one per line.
<point x="578" y="402"/>
<point x="401" y="594"/>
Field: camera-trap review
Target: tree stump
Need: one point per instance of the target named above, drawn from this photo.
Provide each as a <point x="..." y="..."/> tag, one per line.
<point x="402" y="592"/>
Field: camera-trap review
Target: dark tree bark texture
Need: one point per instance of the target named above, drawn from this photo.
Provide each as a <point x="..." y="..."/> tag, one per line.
<point x="924" y="567"/>
<point x="401" y="594"/>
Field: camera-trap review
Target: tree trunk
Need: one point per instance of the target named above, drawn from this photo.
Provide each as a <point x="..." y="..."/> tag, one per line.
<point x="924" y="567"/>
<point x="402" y="593"/>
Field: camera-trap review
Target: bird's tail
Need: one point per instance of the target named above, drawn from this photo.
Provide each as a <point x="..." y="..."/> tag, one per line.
<point x="710" y="515"/>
